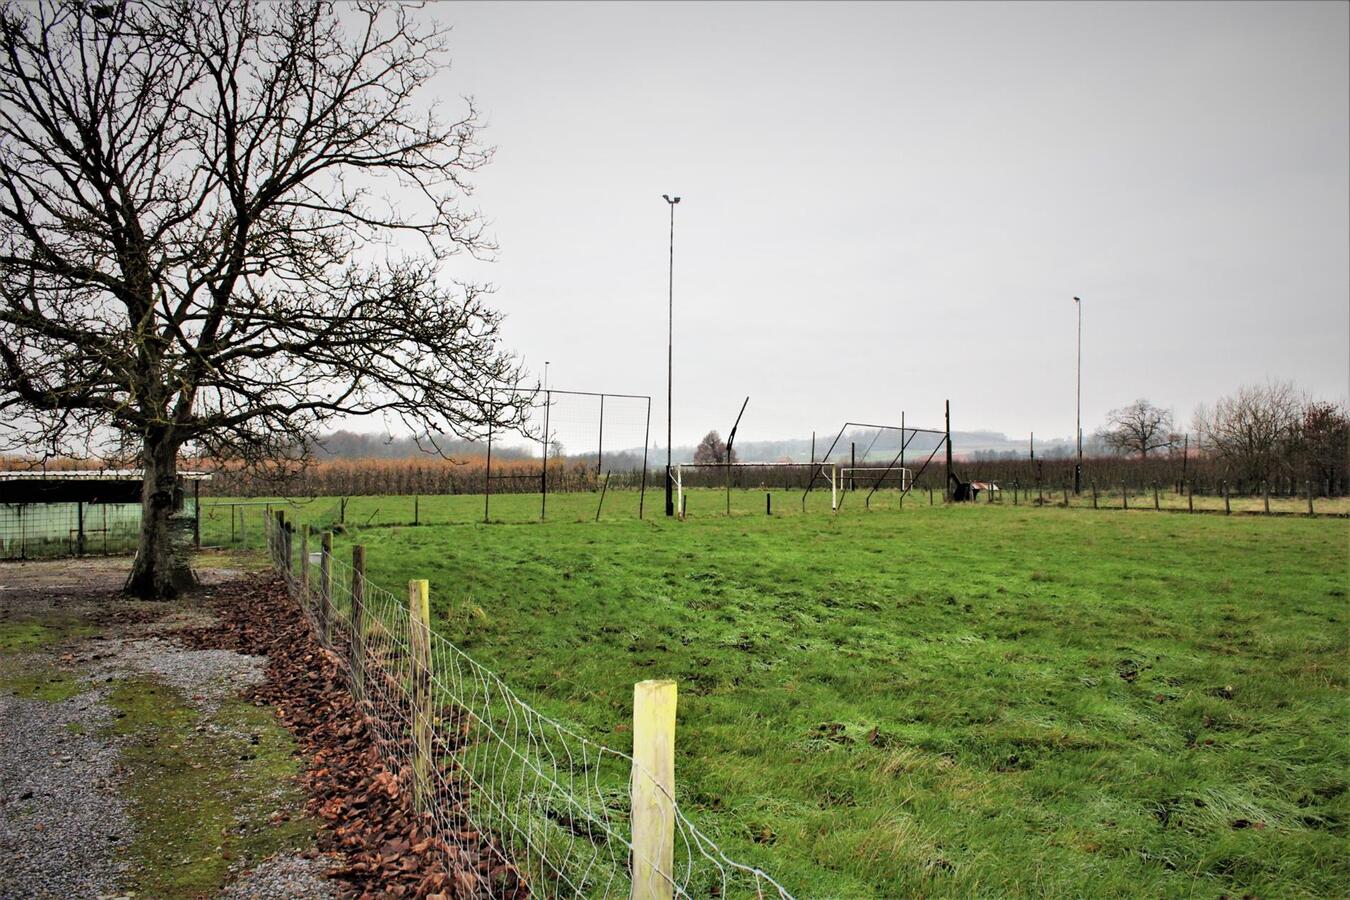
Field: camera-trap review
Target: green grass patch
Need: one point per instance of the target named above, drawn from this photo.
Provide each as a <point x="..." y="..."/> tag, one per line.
<point x="203" y="790"/>
<point x="947" y="701"/>
<point x="20" y="637"/>
<point x="33" y="678"/>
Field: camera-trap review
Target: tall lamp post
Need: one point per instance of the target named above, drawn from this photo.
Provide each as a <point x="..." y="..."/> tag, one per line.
<point x="1078" y="467"/>
<point x="670" y="354"/>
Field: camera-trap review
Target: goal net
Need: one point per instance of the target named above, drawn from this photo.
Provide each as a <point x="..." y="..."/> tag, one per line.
<point x="865" y="477"/>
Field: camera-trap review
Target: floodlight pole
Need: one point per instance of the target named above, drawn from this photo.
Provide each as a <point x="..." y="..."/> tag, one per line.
<point x="1078" y="467"/>
<point x="670" y="354"/>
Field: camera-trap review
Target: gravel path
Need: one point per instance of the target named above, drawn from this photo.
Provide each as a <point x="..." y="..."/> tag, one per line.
<point x="285" y="877"/>
<point x="65" y="829"/>
<point x="61" y="820"/>
<point x="203" y="677"/>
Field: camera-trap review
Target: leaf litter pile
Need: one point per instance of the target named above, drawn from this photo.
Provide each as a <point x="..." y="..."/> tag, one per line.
<point x="390" y="849"/>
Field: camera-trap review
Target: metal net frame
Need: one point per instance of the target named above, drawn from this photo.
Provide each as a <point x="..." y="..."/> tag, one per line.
<point x="585" y="441"/>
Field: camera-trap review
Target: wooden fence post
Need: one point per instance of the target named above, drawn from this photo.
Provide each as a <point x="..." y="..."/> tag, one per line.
<point x="417" y="510"/>
<point x="357" y="647"/>
<point x="768" y="503"/>
<point x="1265" y="494"/>
<point x="419" y="645"/>
<point x="325" y="585"/>
<point x="1190" y="496"/>
<point x="653" y="790"/>
<point x="1094" y="494"/>
<point x="1310" y="504"/>
<point x="279" y="517"/>
<point x="1124" y="496"/>
<point x="1227" y="507"/>
<point x="304" y="566"/>
<point x="287" y="557"/>
<point x="930" y="495"/>
<point x="1015" y="492"/>
<point x="1066" y="498"/>
<point x="1156" y="504"/>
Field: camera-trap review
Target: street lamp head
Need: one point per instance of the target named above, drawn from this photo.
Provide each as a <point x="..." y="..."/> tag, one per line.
<point x="671" y="200"/>
<point x="1076" y="300"/>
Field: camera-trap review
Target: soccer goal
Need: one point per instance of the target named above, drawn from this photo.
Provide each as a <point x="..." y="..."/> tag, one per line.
<point x="828" y="471"/>
<point x="880" y="477"/>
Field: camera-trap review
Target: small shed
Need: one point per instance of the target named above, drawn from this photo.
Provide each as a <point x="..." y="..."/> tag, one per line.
<point x="46" y="514"/>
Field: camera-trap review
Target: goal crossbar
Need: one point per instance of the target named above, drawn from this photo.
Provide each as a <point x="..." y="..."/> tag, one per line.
<point x="827" y="470"/>
<point x="877" y="475"/>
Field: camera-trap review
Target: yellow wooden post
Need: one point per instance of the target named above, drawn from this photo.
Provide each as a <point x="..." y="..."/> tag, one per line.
<point x="419" y="643"/>
<point x="325" y="585"/>
<point x="653" y="790"/>
<point x="304" y="567"/>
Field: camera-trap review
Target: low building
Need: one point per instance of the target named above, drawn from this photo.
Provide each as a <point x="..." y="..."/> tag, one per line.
<point x="73" y="513"/>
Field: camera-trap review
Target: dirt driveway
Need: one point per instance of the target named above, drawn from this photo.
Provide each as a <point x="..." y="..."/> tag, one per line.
<point x="131" y="764"/>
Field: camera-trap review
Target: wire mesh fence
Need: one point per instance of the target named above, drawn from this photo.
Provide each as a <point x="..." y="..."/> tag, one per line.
<point x="554" y="809"/>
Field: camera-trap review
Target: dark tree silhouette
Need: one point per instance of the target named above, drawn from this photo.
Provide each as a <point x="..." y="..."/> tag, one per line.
<point x="1138" y="428"/>
<point x="712" y="449"/>
<point x="1253" y="429"/>
<point x="221" y="227"/>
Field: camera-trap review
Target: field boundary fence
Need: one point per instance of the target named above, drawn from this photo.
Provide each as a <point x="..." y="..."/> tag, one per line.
<point x="558" y="814"/>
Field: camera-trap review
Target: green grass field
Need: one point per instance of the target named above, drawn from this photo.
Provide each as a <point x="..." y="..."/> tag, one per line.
<point x="957" y="701"/>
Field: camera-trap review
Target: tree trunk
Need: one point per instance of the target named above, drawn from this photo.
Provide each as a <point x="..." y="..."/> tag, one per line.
<point x="161" y="570"/>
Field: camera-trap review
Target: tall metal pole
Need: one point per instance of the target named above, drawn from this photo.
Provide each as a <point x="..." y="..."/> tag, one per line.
<point x="948" y="440"/>
<point x="1078" y="468"/>
<point x="670" y="355"/>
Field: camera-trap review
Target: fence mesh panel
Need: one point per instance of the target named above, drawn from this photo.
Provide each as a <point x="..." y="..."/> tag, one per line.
<point x="551" y="806"/>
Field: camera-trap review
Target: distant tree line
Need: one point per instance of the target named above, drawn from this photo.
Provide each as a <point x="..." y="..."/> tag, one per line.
<point x="1267" y="435"/>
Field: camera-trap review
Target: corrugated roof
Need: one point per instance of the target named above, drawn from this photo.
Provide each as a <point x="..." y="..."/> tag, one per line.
<point x="91" y="475"/>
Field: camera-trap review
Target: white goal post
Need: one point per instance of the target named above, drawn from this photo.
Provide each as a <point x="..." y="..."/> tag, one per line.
<point x="869" y="475"/>
<point x="828" y="470"/>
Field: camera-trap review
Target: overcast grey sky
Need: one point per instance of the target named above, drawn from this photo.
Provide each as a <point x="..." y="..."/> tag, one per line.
<point x="888" y="205"/>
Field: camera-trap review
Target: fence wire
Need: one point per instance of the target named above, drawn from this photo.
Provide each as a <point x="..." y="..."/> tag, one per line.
<point x="547" y="805"/>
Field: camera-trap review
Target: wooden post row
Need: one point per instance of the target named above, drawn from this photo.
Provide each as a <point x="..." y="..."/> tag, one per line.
<point x="304" y="567"/>
<point x="287" y="558"/>
<point x="325" y="586"/>
<point x="419" y="645"/>
<point x="279" y="517"/>
<point x="357" y="648"/>
<point x="653" y="790"/>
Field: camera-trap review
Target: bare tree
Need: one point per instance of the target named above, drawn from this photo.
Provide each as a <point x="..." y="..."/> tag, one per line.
<point x="1138" y="428"/>
<point x="712" y="449"/>
<point x="1252" y="430"/>
<point x="222" y="224"/>
<point x="1323" y="441"/>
